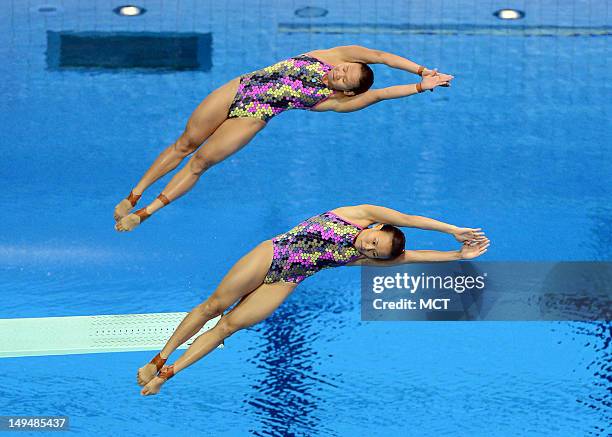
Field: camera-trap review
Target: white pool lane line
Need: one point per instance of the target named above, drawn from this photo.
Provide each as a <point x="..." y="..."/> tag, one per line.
<point x="40" y="336"/>
<point x="445" y="29"/>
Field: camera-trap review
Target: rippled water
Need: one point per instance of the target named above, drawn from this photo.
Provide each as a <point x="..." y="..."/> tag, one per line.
<point x="518" y="145"/>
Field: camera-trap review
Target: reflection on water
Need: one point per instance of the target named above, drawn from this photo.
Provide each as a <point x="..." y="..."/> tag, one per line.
<point x="597" y="336"/>
<point x="285" y="396"/>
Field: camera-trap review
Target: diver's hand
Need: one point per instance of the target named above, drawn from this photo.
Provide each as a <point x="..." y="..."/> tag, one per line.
<point x="469" y="252"/>
<point x="470" y="235"/>
<point x="433" y="78"/>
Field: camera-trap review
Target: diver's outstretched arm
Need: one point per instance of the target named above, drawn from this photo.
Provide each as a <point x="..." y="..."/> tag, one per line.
<point x="427" y="84"/>
<point x="360" y="101"/>
<point x="379" y="214"/>
<point x="467" y="251"/>
<point x="356" y="53"/>
<point x="368" y="214"/>
<point x="390" y="216"/>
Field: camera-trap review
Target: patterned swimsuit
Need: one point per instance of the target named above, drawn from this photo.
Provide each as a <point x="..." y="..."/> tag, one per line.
<point x="322" y="241"/>
<point x="293" y="83"/>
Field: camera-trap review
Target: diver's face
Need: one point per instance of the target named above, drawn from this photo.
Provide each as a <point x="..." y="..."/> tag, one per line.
<point x="344" y="76"/>
<point x="374" y="243"/>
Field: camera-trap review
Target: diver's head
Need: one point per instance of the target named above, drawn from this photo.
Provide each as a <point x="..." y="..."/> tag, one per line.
<point x="381" y="241"/>
<point x="351" y="77"/>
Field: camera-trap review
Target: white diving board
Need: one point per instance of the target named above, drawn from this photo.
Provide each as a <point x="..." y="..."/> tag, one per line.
<point x="39" y="336"/>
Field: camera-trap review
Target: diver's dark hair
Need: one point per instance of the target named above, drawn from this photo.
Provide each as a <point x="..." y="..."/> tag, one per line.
<point x="399" y="240"/>
<point x="366" y="79"/>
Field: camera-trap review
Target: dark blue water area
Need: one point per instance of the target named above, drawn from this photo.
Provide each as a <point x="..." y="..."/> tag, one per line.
<point x="519" y="145"/>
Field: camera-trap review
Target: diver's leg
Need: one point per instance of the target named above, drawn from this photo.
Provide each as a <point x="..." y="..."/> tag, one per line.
<point x="204" y="120"/>
<point x="231" y="136"/>
<point x="252" y="309"/>
<point x="246" y="275"/>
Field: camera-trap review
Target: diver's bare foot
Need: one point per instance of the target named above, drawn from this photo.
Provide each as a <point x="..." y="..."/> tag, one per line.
<point x="146" y="373"/>
<point x="130" y="221"/>
<point x="152" y="386"/>
<point x="124" y="207"/>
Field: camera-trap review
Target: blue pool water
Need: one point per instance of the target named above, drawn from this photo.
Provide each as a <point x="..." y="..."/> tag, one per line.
<point x="519" y="145"/>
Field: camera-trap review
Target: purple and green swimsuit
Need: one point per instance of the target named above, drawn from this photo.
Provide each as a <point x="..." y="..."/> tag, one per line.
<point x="321" y="242"/>
<point x="295" y="83"/>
